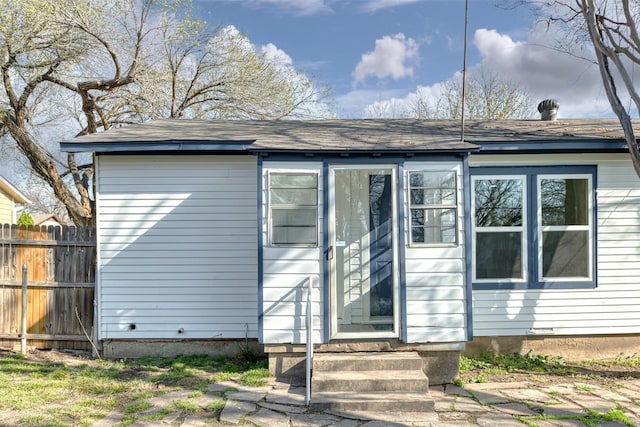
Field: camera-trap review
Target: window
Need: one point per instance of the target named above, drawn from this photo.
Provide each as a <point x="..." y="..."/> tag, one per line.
<point x="293" y="208"/>
<point x="433" y="207"/>
<point x="533" y="227"/>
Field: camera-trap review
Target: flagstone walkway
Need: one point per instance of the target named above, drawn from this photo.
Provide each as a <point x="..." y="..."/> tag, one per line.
<point x="488" y="404"/>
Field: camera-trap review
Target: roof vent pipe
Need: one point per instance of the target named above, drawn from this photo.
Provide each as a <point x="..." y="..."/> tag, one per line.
<point x="548" y="109"/>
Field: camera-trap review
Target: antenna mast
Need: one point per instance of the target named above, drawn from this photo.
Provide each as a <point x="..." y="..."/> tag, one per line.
<point x="464" y="68"/>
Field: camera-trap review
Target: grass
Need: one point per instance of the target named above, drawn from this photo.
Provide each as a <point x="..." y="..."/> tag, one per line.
<point x="43" y="393"/>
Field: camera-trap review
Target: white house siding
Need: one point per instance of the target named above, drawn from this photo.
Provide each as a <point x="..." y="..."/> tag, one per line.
<point x="287" y="271"/>
<point x="177" y="239"/>
<point x="435" y="282"/>
<point x="611" y="307"/>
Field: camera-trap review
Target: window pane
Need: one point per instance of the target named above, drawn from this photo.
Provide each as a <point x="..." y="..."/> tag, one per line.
<point x="433" y="196"/>
<point x="292" y="180"/>
<point x="565" y="201"/>
<point x="293" y="217"/>
<point x="433" y="225"/>
<point x="437" y="179"/>
<point x="294" y="196"/>
<point x="499" y="255"/>
<point x="293" y="235"/>
<point x="498" y="202"/>
<point x="565" y="254"/>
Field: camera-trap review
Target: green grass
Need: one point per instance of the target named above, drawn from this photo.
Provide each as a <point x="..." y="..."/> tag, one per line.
<point x="43" y="393"/>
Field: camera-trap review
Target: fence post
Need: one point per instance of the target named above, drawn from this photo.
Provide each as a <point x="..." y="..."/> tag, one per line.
<point x="23" y="328"/>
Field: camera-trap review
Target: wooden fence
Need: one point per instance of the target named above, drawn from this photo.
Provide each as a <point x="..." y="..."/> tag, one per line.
<point x="60" y="265"/>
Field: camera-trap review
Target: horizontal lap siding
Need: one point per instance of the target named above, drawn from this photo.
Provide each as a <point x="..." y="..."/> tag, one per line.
<point x="609" y="308"/>
<point x="287" y="271"/>
<point x="6" y="209"/>
<point x="435" y="284"/>
<point x="177" y="247"/>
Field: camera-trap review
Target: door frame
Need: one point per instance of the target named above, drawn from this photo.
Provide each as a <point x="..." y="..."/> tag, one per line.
<point x="331" y="311"/>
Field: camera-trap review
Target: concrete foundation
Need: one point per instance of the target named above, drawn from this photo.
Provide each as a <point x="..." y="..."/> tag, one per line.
<point x="568" y="347"/>
<point x="440" y="361"/>
<point x="119" y="349"/>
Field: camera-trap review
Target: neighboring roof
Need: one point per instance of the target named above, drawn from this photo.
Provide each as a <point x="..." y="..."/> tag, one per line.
<point x="384" y="135"/>
<point x="13" y="192"/>
<point x="39" y="219"/>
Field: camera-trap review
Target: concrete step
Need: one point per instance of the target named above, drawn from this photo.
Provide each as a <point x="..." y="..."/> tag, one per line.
<point x="399" y="401"/>
<point x="370" y="381"/>
<point x="368" y="361"/>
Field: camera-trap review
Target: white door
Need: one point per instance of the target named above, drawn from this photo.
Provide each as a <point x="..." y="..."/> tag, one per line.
<point x="363" y="248"/>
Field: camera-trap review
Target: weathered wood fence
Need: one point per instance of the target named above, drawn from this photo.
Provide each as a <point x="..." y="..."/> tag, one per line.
<point x="61" y="285"/>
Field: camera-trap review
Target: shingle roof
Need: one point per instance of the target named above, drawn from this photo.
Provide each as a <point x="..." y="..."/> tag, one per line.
<point x="339" y="135"/>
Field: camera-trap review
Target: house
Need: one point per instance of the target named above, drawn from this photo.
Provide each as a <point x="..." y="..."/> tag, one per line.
<point x="10" y="196"/>
<point x="526" y="234"/>
<point x="46" y="220"/>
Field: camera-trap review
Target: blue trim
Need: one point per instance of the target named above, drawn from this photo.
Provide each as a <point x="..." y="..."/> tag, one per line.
<point x="151" y="147"/>
<point x="402" y="247"/>
<point x="586" y="145"/>
<point x="326" y="309"/>
<point x="468" y="253"/>
<point x="532" y="261"/>
<point x="361" y="158"/>
<point x="260" y="258"/>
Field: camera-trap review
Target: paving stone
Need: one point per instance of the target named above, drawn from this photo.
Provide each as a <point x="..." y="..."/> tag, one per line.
<point x="292" y="396"/>
<point x="497" y="420"/>
<point x="234" y="410"/>
<point x="454" y="416"/>
<point x="465" y="404"/>
<point x="588" y="401"/>
<point x="455" y="390"/>
<point x="312" y="420"/>
<point x="530" y="394"/>
<point x="564" y="409"/>
<point x="219" y="388"/>
<point x="558" y="423"/>
<point x="206" y="400"/>
<point x="486" y="398"/>
<point x="246" y="396"/>
<point x="497" y="386"/>
<point x="345" y="422"/>
<point x="288" y="409"/>
<point x="195" y="421"/>
<point x="112" y="418"/>
<point x="515" y="409"/>
<point x="267" y="418"/>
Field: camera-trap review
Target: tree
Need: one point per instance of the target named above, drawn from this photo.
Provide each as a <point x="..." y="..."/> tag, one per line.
<point x="82" y="66"/>
<point x="25" y="219"/>
<point x="488" y="96"/>
<point x="611" y="27"/>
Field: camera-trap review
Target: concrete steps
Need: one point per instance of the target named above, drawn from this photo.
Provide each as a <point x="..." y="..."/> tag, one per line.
<point x="384" y="381"/>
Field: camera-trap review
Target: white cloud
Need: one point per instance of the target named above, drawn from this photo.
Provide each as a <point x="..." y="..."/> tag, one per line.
<point x="294" y="7"/>
<point x="374" y="5"/>
<point x="537" y="66"/>
<point x="390" y="58"/>
<point x="276" y="55"/>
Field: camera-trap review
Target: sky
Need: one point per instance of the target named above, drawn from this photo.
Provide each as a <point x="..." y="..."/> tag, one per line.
<point x="370" y="51"/>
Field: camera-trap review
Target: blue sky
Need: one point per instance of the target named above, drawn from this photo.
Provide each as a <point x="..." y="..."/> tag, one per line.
<point x="379" y="50"/>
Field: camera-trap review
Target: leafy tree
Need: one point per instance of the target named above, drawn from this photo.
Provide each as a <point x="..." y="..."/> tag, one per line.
<point x="25" y="219"/>
<point x="81" y="66"/>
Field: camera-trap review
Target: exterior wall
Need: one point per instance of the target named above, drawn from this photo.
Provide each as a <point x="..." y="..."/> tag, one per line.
<point x="435" y="276"/>
<point x="610" y="308"/>
<point x="287" y="271"/>
<point x="435" y="283"/>
<point x="7" y="209"/>
<point x="177" y="247"/>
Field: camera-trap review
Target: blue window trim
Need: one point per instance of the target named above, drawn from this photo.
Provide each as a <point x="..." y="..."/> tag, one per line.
<point x="532" y="173"/>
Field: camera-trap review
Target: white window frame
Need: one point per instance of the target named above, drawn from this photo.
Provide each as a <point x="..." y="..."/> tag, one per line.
<point x="272" y="206"/>
<point x="541" y="229"/>
<point x="424" y="207"/>
<point x="521" y="228"/>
